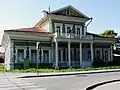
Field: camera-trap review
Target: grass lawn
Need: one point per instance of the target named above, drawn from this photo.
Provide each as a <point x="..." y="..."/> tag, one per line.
<point x="61" y="70"/>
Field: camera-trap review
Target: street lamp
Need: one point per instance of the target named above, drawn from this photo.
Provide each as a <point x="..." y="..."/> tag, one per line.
<point x="37" y="48"/>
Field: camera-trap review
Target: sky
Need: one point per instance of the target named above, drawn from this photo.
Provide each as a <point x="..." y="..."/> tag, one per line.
<point x="26" y="13"/>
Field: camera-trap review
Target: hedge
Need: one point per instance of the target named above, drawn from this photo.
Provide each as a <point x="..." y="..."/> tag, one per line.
<point x="33" y="65"/>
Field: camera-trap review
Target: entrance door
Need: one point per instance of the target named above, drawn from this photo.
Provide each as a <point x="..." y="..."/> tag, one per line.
<point x="46" y="56"/>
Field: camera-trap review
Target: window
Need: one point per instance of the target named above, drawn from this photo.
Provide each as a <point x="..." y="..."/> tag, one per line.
<point x="67" y="12"/>
<point x="60" y="55"/>
<point x="89" y="55"/>
<point x="106" y="55"/>
<point x="68" y="30"/>
<point x="98" y="55"/>
<point x="21" y="55"/>
<point x="78" y="31"/>
<point x="45" y="56"/>
<point x="33" y="56"/>
<point x="82" y="31"/>
<point x="58" y="30"/>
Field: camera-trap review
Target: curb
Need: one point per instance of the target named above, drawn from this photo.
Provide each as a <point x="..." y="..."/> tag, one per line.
<point x="76" y="73"/>
<point x="102" y="83"/>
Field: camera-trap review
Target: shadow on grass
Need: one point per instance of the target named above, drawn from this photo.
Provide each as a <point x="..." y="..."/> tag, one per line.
<point x="102" y="83"/>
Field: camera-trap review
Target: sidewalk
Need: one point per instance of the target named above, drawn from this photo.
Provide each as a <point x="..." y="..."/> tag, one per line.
<point x="110" y="86"/>
<point x="30" y="75"/>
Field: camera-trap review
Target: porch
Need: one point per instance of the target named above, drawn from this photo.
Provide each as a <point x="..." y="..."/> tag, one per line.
<point x="65" y="54"/>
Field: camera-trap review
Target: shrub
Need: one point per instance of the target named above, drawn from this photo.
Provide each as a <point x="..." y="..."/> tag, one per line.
<point x="98" y="63"/>
<point x="26" y="63"/>
<point x="41" y="65"/>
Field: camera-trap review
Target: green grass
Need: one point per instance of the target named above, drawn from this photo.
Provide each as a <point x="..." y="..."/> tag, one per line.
<point x="61" y="70"/>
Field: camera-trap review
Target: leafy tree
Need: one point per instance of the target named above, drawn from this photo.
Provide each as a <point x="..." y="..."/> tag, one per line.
<point x="109" y="33"/>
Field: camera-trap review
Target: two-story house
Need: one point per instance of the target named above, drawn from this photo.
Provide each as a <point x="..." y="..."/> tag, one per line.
<point x="63" y="41"/>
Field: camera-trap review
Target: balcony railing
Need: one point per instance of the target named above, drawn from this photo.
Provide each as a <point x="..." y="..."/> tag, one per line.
<point x="72" y="35"/>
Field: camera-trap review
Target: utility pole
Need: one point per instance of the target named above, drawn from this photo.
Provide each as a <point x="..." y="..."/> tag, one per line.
<point x="37" y="48"/>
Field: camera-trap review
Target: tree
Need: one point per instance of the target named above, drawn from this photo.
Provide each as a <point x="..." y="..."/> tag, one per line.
<point x="109" y="33"/>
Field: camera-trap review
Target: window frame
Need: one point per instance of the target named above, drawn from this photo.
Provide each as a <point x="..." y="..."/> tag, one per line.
<point x="89" y="55"/>
<point x="61" y="26"/>
<point x="80" y="30"/>
<point x="68" y="12"/>
<point x="106" y="57"/>
<point x="66" y="30"/>
<point x="35" y="58"/>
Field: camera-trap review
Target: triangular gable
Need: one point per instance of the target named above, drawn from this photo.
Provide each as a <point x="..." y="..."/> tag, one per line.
<point x="72" y="12"/>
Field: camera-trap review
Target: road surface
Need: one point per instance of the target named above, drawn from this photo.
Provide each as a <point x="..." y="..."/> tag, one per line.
<point x="10" y="81"/>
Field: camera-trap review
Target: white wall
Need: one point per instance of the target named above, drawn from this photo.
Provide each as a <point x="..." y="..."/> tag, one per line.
<point x="6" y="45"/>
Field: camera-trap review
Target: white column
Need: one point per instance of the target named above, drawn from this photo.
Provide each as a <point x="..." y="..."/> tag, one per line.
<point x="66" y="30"/>
<point x="80" y="47"/>
<point x="56" y="56"/>
<point x="69" y="56"/>
<point x="80" y="31"/>
<point x="52" y="52"/>
<point x="66" y="55"/>
<point x="16" y="50"/>
<point x="11" y="51"/>
<point x="30" y="55"/>
<point x="60" y="29"/>
<point x="25" y="52"/>
<point x="11" y="55"/>
<point x="85" y="30"/>
<point x="41" y="55"/>
<point x="111" y="50"/>
<point x="62" y="55"/>
<point x="92" y="55"/>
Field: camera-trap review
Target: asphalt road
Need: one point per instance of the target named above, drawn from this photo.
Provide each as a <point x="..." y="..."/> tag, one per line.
<point x="9" y="81"/>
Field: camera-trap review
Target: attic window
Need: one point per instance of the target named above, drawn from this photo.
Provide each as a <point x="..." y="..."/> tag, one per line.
<point x="67" y="12"/>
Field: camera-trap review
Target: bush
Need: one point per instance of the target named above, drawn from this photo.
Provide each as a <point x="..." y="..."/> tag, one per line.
<point x="33" y="65"/>
<point x="26" y="63"/>
<point x="98" y="63"/>
<point x="19" y="66"/>
<point x="41" y="65"/>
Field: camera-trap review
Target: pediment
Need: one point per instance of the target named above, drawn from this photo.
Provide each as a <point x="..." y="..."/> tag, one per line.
<point x="69" y="11"/>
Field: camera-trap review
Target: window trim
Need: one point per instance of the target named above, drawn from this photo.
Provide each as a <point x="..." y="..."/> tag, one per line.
<point x="76" y="27"/>
<point x="60" y="25"/>
<point x="68" y="25"/>
<point x="68" y="10"/>
<point x="109" y="55"/>
<point x="89" y="55"/>
<point x="106" y="56"/>
<point x="35" y="60"/>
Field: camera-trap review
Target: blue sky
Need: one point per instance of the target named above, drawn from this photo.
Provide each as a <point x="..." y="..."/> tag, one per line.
<point x="26" y="13"/>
